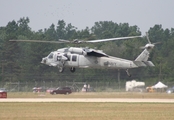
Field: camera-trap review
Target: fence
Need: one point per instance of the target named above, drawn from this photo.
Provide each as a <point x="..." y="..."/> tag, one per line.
<point x="76" y="86"/>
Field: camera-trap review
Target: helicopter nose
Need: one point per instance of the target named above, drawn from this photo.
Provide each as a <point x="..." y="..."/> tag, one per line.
<point x="44" y="60"/>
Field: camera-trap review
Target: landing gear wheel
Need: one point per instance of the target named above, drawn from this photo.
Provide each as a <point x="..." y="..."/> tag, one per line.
<point x="72" y="69"/>
<point x="61" y="69"/>
<point x="66" y="93"/>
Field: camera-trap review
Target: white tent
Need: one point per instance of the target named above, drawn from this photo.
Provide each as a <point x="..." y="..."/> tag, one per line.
<point x="160" y="85"/>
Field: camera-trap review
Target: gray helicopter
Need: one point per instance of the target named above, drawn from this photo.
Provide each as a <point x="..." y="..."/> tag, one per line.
<point x="79" y="57"/>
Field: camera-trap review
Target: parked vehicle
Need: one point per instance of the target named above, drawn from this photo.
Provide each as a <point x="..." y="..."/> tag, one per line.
<point x="62" y="90"/>
<point x="150" y="89"/>
<point x="3" y="90"/>
<point x="39" y="89"/>
<point x="50" y="90"/>
<point x="170" y="90"/>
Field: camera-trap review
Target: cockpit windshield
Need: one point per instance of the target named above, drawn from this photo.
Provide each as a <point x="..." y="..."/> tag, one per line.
<point x="62" y="50"/>
<point x="50" y="56"/>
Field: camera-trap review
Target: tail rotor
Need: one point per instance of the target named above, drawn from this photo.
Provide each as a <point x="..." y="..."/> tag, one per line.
<point x="149" y="45"/>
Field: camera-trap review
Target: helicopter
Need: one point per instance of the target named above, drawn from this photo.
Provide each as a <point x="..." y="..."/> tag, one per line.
<point x="83" y="57"/>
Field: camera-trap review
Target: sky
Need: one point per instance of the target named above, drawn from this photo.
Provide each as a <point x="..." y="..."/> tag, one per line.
<point x="84" y="13"/>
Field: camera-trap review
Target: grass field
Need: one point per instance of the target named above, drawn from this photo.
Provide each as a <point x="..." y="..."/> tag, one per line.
<point x="91" y="95"/>
<point x="88" y="111"/>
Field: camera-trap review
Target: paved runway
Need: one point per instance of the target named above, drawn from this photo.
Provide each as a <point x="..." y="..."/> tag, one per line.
<point x="119" y="100"/>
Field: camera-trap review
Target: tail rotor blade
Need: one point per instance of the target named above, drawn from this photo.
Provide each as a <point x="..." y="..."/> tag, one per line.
<point x="157" y="43"/>
<point x="147" y="35"/>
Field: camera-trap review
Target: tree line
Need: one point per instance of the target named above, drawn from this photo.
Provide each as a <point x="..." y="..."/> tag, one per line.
<point x="21" y="61"/>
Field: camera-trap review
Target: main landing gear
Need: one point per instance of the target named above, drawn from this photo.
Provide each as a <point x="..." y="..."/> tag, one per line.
<point x="127" y="71"/>
<point x="72" y="69"/>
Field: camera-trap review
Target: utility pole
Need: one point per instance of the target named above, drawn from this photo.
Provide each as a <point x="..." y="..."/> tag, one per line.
<point x="2" y="69"/>
<point x="160" y="72"/>
<point x="118" y="79"/>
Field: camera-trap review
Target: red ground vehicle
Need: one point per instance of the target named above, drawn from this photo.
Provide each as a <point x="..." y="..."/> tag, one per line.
<point x="61" y="90"/>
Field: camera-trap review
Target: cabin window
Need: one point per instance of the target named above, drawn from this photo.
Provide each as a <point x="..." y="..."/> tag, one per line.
<point x="74" y="58"/>
<point x="68" y="56"/>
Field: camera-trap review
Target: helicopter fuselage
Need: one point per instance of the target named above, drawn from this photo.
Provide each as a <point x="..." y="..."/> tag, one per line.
<point x="74" y="60"/>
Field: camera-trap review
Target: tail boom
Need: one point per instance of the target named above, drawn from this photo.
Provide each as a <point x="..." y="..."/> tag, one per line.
<point x="144" y="63"/>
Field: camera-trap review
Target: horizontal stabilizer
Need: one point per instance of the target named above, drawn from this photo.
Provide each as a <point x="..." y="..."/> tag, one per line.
<point x="144" y="63"/>
<point x="149" y="63"/>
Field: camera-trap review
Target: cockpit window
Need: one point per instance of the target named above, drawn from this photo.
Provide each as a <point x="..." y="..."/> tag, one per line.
<point x="50" y="56"/>
<point x="66" y="50"/>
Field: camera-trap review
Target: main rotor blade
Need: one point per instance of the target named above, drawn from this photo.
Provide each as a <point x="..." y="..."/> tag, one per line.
<point x="111" y="39"/>
<point x="38" y="41"/>
<point x="157" y="43"/>
<point x="76" y="41"/>
<point x="65" y="41"/>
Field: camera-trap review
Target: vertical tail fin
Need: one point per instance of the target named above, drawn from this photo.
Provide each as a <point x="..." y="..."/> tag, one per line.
<point x="143" y="56"/>
<point x="147" y="48"/>
<point x="142" y="59"/>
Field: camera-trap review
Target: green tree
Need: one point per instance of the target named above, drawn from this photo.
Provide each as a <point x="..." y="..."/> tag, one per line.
<point x="10" y="53"/>
<point x="61" y="30"/>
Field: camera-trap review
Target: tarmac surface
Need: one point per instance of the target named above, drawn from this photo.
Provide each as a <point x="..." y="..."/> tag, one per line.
<point x="117" y="100"/>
